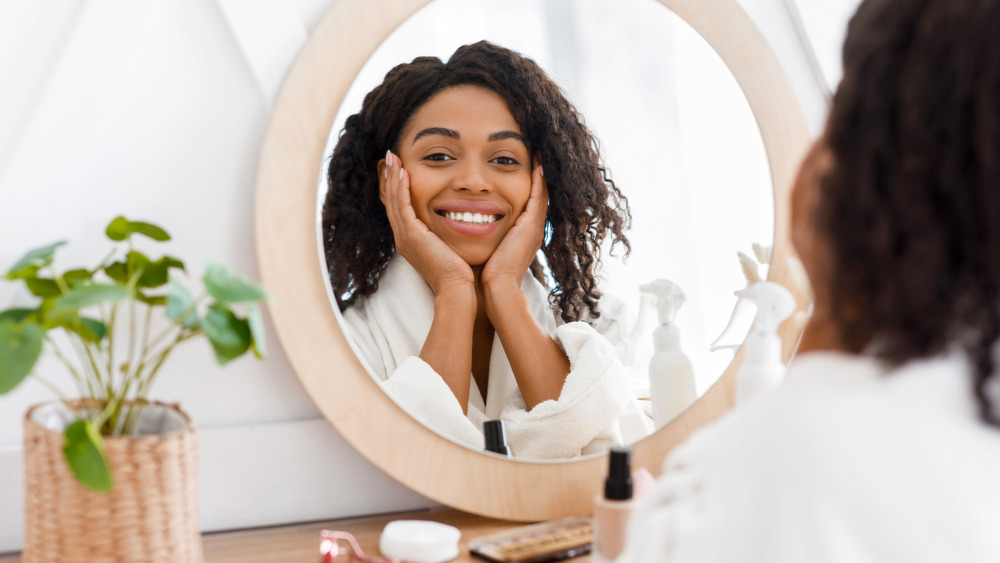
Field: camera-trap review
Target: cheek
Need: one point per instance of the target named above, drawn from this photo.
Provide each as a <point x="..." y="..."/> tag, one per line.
<point x="518" y="191"/>
<point x="420" y="197"/>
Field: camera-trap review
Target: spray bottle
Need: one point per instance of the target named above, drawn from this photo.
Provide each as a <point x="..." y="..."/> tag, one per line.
<point x="762" y="367"/>
<point x="671" y="379"/>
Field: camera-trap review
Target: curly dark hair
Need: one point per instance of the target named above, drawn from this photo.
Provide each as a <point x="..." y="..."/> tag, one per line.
<point x="911" y="207"/>
<point x="585" y="205"/>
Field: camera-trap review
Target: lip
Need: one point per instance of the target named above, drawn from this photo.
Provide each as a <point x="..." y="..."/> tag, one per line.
<point x="469" y="229"/>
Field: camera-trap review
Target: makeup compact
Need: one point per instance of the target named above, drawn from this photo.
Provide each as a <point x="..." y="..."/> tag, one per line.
<point x="547" y="541"/>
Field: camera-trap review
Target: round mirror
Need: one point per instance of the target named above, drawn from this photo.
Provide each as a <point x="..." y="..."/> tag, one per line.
<point x="308" y="326"/>
<point x="664" y="107"/>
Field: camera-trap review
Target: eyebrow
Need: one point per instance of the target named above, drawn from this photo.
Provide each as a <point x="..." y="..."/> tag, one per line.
<point x="451" y="133"/>
<point x="437" y="131"/>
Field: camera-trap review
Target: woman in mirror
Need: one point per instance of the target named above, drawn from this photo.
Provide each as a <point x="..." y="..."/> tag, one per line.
<point x="883" y="442"/>
<point x="442" y="190"/>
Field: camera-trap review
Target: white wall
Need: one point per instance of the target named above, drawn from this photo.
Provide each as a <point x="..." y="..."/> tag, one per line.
<point x="157" y="110"/>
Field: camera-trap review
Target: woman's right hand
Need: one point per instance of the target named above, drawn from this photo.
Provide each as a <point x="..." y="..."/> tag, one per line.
<point x="439" y="265"/>
<point x="448" y="346"/>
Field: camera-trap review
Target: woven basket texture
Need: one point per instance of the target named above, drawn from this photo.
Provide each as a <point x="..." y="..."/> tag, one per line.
<point x="150" y="515"/>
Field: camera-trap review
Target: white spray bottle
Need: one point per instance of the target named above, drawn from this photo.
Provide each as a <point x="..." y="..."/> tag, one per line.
<point x="762" y="366"/>
<point x="671" y="379"/>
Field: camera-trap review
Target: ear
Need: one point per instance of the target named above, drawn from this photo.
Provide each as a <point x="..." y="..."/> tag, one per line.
<point x="381" y="180"/>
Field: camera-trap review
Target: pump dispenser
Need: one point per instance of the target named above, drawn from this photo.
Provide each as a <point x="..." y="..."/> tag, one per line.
<point x="762" y="367"/>
<point x="612" y="509"/>
<point x="496" y="437"/>
<point x="671" y="379"/>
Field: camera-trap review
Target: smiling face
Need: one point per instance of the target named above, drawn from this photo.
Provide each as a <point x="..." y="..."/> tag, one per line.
<point x="470" y="169"/>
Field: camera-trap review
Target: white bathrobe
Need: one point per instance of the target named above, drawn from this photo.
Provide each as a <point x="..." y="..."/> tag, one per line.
<point x="843" y="462"/>
<point x="595" y="410"/>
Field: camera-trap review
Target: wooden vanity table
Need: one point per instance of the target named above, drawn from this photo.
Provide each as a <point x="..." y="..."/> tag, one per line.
<point x="300" y="542"/>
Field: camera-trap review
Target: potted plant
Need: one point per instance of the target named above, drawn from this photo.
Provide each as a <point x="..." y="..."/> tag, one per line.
<point x="111" y="452"/>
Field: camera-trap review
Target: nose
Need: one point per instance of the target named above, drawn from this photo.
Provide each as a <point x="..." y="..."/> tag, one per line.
<point x="471" y="177"/>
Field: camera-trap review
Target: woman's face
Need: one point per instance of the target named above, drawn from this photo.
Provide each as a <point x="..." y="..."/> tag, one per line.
<point x="470" y="169"/>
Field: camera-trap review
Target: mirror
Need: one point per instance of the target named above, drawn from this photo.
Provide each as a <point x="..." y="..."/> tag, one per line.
<point x="664" y="107"/>
<point x="310" y="334"/>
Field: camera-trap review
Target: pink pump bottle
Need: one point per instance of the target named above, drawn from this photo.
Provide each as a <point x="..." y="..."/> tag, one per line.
<point x="613" y="507"/>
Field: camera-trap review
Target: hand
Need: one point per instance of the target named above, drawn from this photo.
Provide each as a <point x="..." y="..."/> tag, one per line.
<point x="435" y="261"/>
<point x="512" y="258"/>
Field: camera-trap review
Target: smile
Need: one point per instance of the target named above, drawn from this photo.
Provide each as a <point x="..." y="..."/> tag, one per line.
<point x="471" y="218"/>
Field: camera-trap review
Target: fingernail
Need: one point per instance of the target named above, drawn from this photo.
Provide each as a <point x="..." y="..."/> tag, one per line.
<point x="388" y="158"/>
<point x="400" y="172"/>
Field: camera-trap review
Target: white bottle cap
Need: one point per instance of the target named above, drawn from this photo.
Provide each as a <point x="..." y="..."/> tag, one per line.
<point x="420" y="541"/>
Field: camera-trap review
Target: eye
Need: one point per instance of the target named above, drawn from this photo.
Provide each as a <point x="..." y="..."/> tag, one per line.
<point x="438" y="157"/>
<point x="505" y="161"/>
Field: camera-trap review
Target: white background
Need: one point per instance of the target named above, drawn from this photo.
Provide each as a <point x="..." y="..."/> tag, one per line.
<point x="157" y="110"/>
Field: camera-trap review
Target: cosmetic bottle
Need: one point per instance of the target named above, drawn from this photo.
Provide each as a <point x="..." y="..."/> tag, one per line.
<point x="613" y="507"/>
<point x="762" y="368"/>
<point x="671" y="379"/>
<point x="496" y="437"/>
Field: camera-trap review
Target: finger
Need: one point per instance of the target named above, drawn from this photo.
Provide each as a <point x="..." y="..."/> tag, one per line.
<point x="538" y="197"/>
<point x="405" y="202"/>
<point x="396" y="220"/>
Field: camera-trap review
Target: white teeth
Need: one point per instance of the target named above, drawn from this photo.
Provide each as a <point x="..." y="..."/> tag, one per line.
<point x="474" y="218"/>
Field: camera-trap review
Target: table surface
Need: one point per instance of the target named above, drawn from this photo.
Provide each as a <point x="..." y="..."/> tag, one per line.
<point x="300" y="542"/>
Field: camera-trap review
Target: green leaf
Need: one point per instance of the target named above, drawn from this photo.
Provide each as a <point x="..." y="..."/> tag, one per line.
<point x="89" y="329"/>
<point x="136" y="261"/>
<point x="90" y="295"/>
<point x="84" y="451"/>
<point x="230" y="336"/>
<point x="18" y="315"/>
<point x="53" y="316"/>
<point x="117" y="271"/>
<point x="256" y="322"/>
<point x="230" y="288"/>
<point x="33" y="261"/>
<point x="151" y="300"/>
<point x="179" y="301"/>
<point x="42" y="287"/>
<point x="121" y="228"/>
<point x="20" y="346"/>
<point x="156" y="273"/>
<point x="77" y="277"/>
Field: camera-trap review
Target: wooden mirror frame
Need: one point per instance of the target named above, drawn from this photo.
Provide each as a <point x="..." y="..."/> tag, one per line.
<point x="307" y="326"/>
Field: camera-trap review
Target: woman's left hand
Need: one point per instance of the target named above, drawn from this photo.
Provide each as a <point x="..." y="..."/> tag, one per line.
<point x="512" y="258"/>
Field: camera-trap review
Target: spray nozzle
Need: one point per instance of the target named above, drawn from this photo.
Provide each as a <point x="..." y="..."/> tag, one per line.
<point x="774" y="304"/>
<point x="668" y="297"/>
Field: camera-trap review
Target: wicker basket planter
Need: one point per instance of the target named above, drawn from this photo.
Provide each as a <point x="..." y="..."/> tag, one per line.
<point x="150" y="515"/>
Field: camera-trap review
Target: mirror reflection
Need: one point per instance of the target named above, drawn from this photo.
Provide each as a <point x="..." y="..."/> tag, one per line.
<point x="674" y="134"/>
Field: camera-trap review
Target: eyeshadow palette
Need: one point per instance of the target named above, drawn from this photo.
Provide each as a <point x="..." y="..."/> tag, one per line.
<point x="547" y="541"/>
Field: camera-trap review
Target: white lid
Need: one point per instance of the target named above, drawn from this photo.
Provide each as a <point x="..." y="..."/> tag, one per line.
<point x="419" y="540"/>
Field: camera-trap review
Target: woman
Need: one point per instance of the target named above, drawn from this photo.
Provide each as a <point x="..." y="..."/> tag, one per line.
<point x="882" y="444"/>
<point x="431" y="247"/>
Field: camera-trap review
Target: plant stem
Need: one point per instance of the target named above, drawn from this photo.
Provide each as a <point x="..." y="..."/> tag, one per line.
<point x="95" y="372"/>
<point x="111" y="349"/>
<point x="131" y="339"/>
<point x="55" y="390"/>
<point x="80" y="382"/>
<point x="63" y="288"/>
<point x="104" y="263"/>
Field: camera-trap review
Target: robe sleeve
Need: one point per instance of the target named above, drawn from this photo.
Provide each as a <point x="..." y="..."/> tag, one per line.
<point x="412" y="383"/>
<point x="584" y="419"/>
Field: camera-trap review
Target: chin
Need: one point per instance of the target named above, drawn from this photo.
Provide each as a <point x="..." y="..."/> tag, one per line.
<point x="474" y="258"/>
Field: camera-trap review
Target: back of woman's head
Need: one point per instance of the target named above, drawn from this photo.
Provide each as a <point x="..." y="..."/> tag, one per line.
<point x="911" y="207"/>
<point x="585" y="206"/>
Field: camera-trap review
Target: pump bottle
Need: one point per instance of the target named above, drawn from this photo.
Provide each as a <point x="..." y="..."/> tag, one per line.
<point x="613" y="508"/>
<point x="671" y="379"/>
<point x="762" y="367"/>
